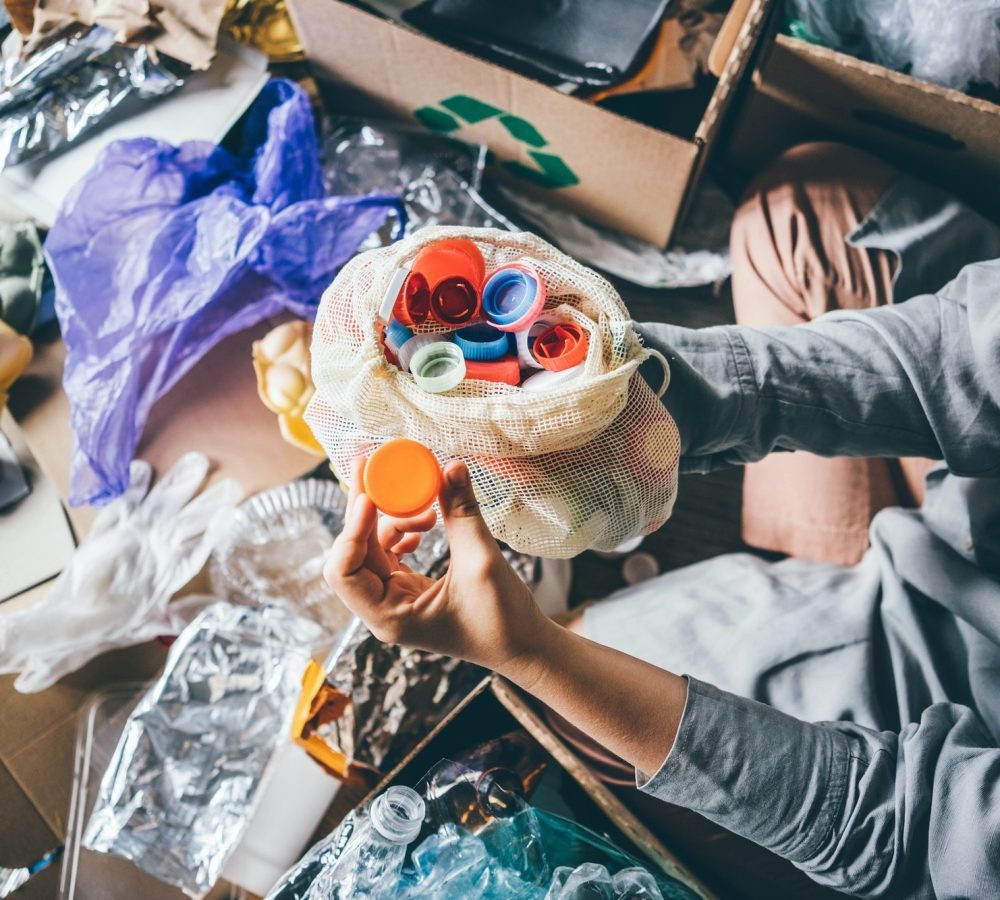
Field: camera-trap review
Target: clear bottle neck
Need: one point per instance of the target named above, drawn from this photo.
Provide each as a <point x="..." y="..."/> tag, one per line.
<point x="398" y="814"/>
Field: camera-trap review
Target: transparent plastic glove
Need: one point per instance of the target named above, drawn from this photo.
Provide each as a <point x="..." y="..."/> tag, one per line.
<point x="141" y="550"/>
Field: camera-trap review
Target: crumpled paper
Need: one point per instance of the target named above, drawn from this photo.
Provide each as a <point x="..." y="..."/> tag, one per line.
<point x="183" y="30"/>
<point x="214" y="242"/>
<point x="186" y="775"/>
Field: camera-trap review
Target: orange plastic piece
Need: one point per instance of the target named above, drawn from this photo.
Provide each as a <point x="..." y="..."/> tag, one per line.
<point x="504" y="371"/>
<point x="454" y="271"/>
<point x="402" y="478"/>
<point x="560" y="347"/>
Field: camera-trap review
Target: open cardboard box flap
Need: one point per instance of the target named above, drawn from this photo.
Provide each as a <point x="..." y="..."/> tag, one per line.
<point x="607" y="168"/>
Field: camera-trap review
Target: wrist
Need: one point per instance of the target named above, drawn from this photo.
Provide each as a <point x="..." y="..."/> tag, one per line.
<point x="538" y="651"/>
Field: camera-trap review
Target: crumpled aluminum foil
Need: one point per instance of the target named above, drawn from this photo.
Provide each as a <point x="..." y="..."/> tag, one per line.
<point x="76" y="82"/>
<point x="397" y="694"/>
<point x="187" y="772"/>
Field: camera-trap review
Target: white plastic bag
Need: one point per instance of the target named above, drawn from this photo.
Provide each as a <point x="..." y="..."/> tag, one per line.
<point x="589" y="464"/>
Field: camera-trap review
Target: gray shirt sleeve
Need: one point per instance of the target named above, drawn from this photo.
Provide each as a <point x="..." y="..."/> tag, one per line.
<point x="873" y="813"/>
<point x="876" y="814"/>
<point x="920" y="378"/>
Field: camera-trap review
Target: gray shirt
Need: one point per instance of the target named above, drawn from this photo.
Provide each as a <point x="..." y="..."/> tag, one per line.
<point x="898" y="792"/>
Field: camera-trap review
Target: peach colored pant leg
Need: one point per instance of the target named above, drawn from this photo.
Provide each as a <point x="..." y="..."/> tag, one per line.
<point x="791" y="263"/>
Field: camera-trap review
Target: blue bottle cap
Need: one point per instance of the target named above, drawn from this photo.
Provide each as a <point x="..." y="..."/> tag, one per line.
<point x="482" y="343"/>
<point x="513" y="296"/>
<point x="396" y="334"/>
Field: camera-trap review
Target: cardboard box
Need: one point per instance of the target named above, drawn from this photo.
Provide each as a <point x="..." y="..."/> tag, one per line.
<point x="804" y="92"/>
<point x="608" y="168"/>
<point x="495" y="708"/>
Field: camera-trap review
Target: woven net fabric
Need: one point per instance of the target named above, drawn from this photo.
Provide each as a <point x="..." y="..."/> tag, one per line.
<point x="587" y="465"/>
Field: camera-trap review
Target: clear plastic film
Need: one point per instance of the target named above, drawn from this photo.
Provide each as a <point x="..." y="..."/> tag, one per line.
<point x="951" y="42"/>
<point x="188" y="770"/>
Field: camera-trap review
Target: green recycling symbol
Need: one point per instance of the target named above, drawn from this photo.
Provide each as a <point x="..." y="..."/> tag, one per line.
<point x="549" y="171"/>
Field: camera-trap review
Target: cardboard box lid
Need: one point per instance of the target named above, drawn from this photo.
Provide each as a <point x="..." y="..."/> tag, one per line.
<point x="805" y="92"/>
<point x="609" y="169"/>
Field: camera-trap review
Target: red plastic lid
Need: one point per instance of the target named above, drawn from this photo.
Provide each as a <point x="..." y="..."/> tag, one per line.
<point x="413" y="305"/>
<point x="504" y="371"/>
<point x="560" y="346"/>
<point x="454" y="302"/>
<point x="402" y="478"/>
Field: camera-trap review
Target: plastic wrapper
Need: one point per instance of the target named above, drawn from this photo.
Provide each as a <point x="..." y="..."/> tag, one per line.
<point x="438" y="177"/>
<point x="77" y="84"/>
<point x="275" y="550"/>
<point x="216" y="241"/>
<point x="187" y="772"/>
<point x="591" y="881"/>
<point x="951" y="42"/>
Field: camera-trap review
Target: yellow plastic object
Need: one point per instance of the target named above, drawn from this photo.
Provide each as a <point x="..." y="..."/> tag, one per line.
<point x="284" y="382"/>
<point x="402" y="478"/>
<point x="15" y="355"/>
<point x="319" y="701"/>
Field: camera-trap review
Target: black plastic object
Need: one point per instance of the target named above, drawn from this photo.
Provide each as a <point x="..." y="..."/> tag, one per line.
<point x="591" y="42"/>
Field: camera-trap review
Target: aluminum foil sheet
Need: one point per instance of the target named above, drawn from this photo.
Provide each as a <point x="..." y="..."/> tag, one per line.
<point x="75" y="86"/>
<point x="187" y="772"/>
<point x="397" y="695"/>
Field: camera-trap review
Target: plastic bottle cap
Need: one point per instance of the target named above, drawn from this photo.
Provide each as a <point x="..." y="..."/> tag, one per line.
<point x="402" y="478"/>
<point x="546" y="380"/>
<point x="503" y="371"/>
<point x="454" y="302"/>
<point x="413" y="305"/>
<point x="438" y="367"/>
<point x="482" y="343"/>
<point x="409" y="349"/>
<point x="398" y="814"/>
<point x="396" y="335"/>
<point x="560" y="346"/>
<point x="392" y="293"/>
<point x="526" y="337"/>
<point x="513" y="296"/>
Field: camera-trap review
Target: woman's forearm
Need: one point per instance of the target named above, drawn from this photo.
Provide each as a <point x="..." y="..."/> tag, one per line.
<point x="628" y="706"/>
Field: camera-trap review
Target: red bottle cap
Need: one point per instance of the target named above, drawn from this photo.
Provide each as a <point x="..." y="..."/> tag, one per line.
<point x="453" y="271"/>
<point x="560" y="347"/>
<point x="454" y="302"/>
<point x="503" y="371"/>
<point x="413" y="305"/>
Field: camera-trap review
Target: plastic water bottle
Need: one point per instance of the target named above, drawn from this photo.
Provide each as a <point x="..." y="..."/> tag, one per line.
<point x="372" y="862"/>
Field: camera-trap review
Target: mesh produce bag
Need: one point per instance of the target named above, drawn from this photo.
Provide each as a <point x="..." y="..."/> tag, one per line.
<point x="589" y="464"/>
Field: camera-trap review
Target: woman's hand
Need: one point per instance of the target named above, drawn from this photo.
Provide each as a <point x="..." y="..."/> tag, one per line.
<point x="480" y="610"/>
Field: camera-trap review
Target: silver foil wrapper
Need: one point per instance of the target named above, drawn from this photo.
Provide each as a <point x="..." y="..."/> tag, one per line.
<point x="397" y="694"/>
<point x="187" y="772"/>
<point x="68" y="86"/>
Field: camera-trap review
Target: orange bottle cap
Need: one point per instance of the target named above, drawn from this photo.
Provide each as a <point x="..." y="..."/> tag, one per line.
<point x="402" y="478"/>
<point x="560" y="347"/>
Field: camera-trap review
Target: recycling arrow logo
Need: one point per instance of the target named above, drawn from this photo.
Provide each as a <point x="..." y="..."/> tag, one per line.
<point x="549" y="171"/>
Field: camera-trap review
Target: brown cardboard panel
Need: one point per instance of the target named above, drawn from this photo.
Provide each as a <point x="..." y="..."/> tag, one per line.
<point x="629" y="176"/>
<point x="26" y="836"/>
<point x="805" y="92"/>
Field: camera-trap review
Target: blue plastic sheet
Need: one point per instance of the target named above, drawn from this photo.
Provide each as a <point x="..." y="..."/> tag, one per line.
<point x="160" y="252"/>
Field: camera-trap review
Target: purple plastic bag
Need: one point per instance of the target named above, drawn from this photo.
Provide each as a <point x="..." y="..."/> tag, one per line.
<point x="160" y="252"/>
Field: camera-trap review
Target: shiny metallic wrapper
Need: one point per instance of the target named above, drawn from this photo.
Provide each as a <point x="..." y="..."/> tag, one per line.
<point x="72" y="91"/>
<point x="396" y="695"/>
<point x="187" y="772"/>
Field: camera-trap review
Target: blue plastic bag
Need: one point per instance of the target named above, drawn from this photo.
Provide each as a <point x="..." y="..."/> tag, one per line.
<point x="160" y="252"/>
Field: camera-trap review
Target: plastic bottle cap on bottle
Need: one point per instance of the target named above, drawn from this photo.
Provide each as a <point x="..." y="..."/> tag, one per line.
<point x="398" y="814"/>
<point x="438" y="367"/>
<point x="513" y="296"/>
<point x="560" y="346"/>
<point x="547" y="380"/>
<point x="454" y="302"/>
<point x="402" y="478"/>
<point x="482" y="343"/>
<point x="503" y="371"/>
